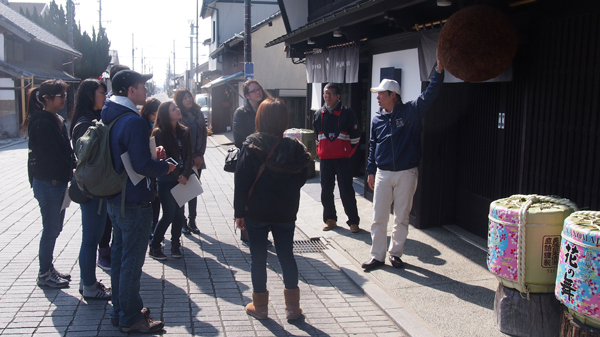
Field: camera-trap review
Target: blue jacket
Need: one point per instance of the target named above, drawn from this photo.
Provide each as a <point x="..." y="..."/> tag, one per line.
<point x="130" y="134"/>
<point x="395" y="143"/>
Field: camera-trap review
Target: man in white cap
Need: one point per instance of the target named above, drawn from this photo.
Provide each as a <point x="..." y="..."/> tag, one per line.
<point x="394" y="155"/>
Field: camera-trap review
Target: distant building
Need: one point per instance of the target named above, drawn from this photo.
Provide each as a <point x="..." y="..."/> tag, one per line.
<point x="29" y="55"/>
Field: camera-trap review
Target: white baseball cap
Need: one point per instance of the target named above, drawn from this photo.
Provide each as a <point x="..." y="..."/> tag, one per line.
<point x="386" y="85"/>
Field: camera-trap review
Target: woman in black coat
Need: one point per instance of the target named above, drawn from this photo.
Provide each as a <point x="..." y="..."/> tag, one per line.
<point x="50" y="167"/>
<point x="268" y="177"/>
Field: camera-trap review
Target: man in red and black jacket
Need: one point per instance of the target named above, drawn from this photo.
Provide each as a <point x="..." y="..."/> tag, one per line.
<point x="337" y="133"/>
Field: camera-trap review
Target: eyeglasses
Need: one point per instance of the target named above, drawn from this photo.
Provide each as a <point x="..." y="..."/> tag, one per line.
<point x="63" y="95"/>
<point x="253" y="91"/>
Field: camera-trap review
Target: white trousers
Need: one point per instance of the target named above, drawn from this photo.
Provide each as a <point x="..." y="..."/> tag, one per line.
<point x="398" y="187"/>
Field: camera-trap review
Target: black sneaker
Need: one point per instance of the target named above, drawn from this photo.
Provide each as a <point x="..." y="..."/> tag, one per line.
<point x="97" y="292"/>
<point x="157" y="254"/>
<point x="176" y="252"/>
<point x="61" y="275"/>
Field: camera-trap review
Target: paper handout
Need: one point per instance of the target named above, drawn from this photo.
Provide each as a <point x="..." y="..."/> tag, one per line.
<point x="153" y="148"/>
<point x="66" y="200"/>
<point x="134" y="176"/>
<point x="184" y="193"/>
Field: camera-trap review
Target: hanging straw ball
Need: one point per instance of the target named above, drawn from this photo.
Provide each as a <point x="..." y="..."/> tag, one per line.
<point x="477" y="43"/>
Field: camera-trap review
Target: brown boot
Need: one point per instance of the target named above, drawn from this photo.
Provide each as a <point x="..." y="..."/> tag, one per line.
<point x="292" y="304"/>
<point x="259" y="308"/>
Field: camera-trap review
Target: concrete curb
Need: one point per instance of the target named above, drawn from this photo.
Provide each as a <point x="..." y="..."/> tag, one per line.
<point x="405" y="318"/>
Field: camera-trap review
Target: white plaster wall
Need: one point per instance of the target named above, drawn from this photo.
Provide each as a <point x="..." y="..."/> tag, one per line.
<point x="2" y="56"/>
<point x="408" y="61"/>
<point x="7" y="94"/>
<point x="271" y="66"/>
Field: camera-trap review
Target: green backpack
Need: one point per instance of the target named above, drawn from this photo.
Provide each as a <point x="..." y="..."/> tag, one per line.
<point x="95" y="173"/>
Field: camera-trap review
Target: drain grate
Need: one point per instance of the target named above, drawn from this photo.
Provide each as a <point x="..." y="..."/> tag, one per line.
<point x="314" y="245"/>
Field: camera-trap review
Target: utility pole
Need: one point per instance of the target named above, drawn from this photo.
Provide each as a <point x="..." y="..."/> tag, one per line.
<point x="70" y="22"/>
<point x="195" y="70"/>
<point x="174" y="73"/>
<point x="132" y="54"/>
<point x="100" y="16"/>
<point x="248" y="65"/>
<point x="191" y="76"/>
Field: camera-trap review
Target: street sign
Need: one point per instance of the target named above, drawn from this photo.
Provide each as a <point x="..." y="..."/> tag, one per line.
<point x="248" y="71"/>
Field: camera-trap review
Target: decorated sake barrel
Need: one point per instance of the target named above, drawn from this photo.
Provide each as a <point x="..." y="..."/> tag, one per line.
<point x="578" y="276"/>
<point x="524" y="240"/>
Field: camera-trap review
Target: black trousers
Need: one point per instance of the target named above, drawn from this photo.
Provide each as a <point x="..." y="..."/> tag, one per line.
<point x="330" y="168"/>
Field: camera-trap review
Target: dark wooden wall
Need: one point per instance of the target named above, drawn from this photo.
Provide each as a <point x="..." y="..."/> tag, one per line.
<point x="550" y="143"/>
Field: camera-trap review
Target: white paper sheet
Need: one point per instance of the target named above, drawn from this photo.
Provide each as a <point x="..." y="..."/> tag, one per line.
<point x="134" y="176"/>
<point x="153" y="148"/>
<point x="187" y="192"/>
<point x="66" y="200"/>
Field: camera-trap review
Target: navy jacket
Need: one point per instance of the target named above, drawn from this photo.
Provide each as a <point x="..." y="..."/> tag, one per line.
<point x="395" y="143"/>
<point x="130" y="134"/>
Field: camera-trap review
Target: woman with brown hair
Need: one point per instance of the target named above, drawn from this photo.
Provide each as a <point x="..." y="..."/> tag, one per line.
<point x="193" y="119"/>
<point x="50" y="167"/>
<point x="268" y="177"/>
<point x="244" y="117"/>
<point x="175" y="138"/>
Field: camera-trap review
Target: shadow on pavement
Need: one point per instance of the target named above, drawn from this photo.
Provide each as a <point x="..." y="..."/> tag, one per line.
<point x="276" y="329"/>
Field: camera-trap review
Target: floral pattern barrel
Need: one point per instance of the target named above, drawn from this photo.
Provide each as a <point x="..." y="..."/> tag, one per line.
<point x="578" y="278"/>
<point x="543" y="225"/>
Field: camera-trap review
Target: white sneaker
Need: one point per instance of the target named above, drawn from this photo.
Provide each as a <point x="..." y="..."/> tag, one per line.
<point x="51" y="279"/>
<point x="97" y="292"/>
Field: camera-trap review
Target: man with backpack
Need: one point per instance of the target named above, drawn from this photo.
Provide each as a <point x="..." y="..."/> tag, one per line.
<point x="131" y="217"/>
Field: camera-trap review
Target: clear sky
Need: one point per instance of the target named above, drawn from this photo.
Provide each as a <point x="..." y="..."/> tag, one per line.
<point x="154" y="25"/>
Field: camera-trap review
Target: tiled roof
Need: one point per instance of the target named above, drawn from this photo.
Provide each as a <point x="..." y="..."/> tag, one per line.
<point x="40" y="72"/>
<point x="13" y="20"/>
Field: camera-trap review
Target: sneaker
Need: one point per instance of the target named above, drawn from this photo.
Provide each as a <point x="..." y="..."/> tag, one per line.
<point x="144" y="325"/>
<point x="52" y="280"/>
<point x="104" y="258"/>
<point x="97" y="292"/>
<point x="176" y="252"/>
<point x="329" y="225"/>
<point x="61" y="275"/>
<point x="354" y="228"/>
<point x="157" y="254"/>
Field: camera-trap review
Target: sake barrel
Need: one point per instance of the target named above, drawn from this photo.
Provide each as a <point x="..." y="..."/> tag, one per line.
<point x="524" y="240"/>
<point x="577" y="278"/>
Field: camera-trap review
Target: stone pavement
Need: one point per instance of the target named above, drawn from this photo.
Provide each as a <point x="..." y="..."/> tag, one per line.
<point x="202" y="294"/>
<point x="445" y="288"/>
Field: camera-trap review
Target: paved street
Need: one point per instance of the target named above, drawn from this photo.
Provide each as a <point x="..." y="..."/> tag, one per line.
<point x="202" y="294"/>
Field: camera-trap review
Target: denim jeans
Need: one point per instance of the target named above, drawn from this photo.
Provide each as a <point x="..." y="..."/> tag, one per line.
<point x="130" y="237"/>
<point x="50" y="197"/>
<point x="283" y="234"/>
<point x="92" y="229"/>
<point x="172" y="214"/>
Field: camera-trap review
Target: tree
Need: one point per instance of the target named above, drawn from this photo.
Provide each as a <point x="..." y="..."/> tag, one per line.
<point x="95" y="49"/>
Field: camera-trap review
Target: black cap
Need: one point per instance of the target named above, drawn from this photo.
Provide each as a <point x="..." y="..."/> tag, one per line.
<point x="127" y="78"/>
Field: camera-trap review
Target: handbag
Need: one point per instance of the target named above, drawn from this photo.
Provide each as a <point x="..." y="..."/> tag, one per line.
<point x="75" y="193"/>
<point x="231" y="159"/>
